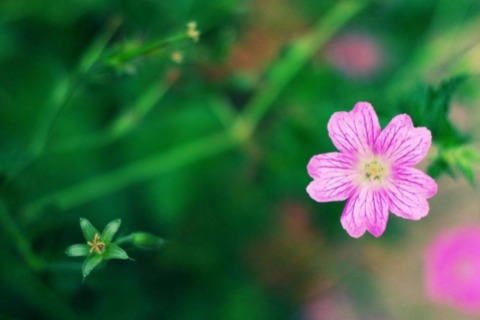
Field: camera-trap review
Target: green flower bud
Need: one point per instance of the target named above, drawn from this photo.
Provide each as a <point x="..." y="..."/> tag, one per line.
<point x="146" y="241"/>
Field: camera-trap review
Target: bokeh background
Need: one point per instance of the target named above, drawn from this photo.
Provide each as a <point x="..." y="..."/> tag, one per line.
<point x="108" y="109"/>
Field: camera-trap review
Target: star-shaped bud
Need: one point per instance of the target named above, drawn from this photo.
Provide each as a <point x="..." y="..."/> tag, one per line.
<point x="99" y="246"/>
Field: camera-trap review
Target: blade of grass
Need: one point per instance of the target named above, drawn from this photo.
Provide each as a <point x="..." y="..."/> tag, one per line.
<point x="279" y="76"/>
<point x="136" y="172"/>
<point x="285" y="69"/>
<point x="67" y="87"/>
<point x="431" y="58"/>
<point x="24" y="283"/>
<point x="123" y="125"/>
<point x="18" y="239"/>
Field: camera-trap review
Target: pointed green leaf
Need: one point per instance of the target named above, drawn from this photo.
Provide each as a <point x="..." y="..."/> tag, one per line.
<point x="90" y="263"/>
<point x="466" y="168"/>
<point x="88" y="229"/>
<point x="114" y="252"/>
<point x="110" y="230"/>
<point x="78" y="250"/>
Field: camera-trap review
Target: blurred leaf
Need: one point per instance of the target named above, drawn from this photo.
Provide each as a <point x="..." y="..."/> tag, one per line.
<point x="430" y="108"/>
<point x="96" y="49"/>
<point x="78" y="250"/>
<point x="110" y="230"/>
<point x="88" y="229"/>
<point x="461" y="158"/>
<point x="90" y="263"/>
<point x="115" y="252"/>
<point x="439" y="166"/>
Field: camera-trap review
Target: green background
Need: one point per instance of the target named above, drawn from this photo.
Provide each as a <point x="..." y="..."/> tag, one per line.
<point x="210" y="154"/>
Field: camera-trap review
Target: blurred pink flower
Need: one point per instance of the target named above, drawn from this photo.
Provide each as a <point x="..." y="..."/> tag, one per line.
<point x="355" y="55"/>
<point x="452" y="271"/>
<point x="335" y="306"/>
<point x="373" y="170"/>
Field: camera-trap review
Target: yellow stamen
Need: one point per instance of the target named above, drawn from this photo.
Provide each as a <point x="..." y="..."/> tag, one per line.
<point x="96" y="245"/>
<point x="373" y="170"/>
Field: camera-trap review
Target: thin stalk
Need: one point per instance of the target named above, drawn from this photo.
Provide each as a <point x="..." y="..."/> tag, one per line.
<point x="19" y="240"/>
<point x="125" y="239"/>
<point x="123" y="125"/>
<point x="142" y="170"/>
<point x="123" y="56"/>
<point x="63" y="93"/>
<point x="434" y="54"/>
<point x="26" y="285"/>
<point x="65" y="90"/>
<point x="224" y="111"/>
<point x="279" y="76"/>
<point x="284" y="70"/>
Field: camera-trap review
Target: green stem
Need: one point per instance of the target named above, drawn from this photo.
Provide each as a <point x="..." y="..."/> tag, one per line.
<point x="277" y="79"/>
<point x="122" y="240"/>
<point x="121" y="126"/>
<point x="63" y="93"/>
<point x="224" y="111"/>
<point x="18" y="239"/>
<point x="437" y="51"/>
<point x="282" y="73"/>
<point x="134" y="173"/>
<point x="123" y="56"/>
<point x="24" y="283"/>
<point x="65" y="90"/>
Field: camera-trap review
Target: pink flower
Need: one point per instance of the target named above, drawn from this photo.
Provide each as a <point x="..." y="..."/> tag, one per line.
<point x="373" y="170"/>
<point x="356" y="55"/>
<point x="452" y="271"/>
<point x="335" y="306"/>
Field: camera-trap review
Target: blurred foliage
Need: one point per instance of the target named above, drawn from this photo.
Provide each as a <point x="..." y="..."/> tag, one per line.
<point x="98" y="119"/>
<point x="430" y="107"/>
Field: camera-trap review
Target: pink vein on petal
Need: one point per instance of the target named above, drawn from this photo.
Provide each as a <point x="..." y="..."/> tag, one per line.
<point x="356" y="131"/>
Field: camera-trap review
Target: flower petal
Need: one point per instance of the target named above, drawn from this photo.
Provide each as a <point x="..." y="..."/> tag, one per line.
<point x="415" y="180"/>
<point x="367" y="209"/>
<point x="333" y="174"/>
<point x="115" y="252"/>
<point x="353" y="216"/>
<point x="88" y="229"/>
<point x="110" y="230"/>
<point x="401" y="143"/>
<point x="355" y="131"/>
<point x="377" y="212"/>
<point x="90" y="263"/>
<point x="408" y="192"/>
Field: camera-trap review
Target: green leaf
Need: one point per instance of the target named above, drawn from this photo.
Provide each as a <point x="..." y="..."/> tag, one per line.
<point x="78" y="250"/>
<point x="429" y="107"/>
<point x="438" y="167"/>
<point x="90" y="263"/>
<point x="110" y="230"/>
<point x="88" y="229"/>
<point x="459" y="158"/>
<point x="146" y="241"/>
<point x="96" y="49"/>
<point x="114" y="252"/>
<point x="467" y="170"/>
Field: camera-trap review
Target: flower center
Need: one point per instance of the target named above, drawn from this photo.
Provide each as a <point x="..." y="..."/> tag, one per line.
<point x="96" y="245"/>
<point x="373" y="170"/>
